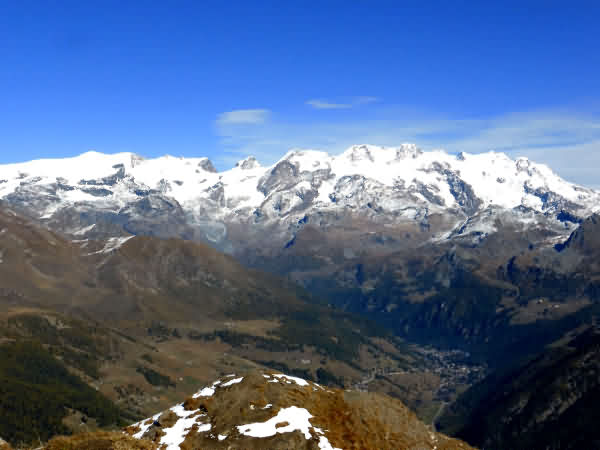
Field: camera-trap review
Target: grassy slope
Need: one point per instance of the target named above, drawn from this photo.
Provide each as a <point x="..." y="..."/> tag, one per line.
<point x="99" y="314"/>
<point x="37" y="390"/>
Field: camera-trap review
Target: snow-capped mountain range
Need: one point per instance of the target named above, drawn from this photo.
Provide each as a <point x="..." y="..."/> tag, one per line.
<point x="101" y="195"/>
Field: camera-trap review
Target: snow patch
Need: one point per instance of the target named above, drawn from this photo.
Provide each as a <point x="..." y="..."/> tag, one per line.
<point x="175" y="435"/>
<point x="298" y="381"/>
<point x="112" y="244"/>
<point x="324" y="443"/>
<point x="296" y="417"/>
<point x="144" y="425"/>
<point x="206" y="392"/>
<point x="209" y="391"/>
<point x="84" y="230"/>
<point x="231" y="382"/>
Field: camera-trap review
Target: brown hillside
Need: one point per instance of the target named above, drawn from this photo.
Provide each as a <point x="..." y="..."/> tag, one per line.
<point x="270" y="410"/>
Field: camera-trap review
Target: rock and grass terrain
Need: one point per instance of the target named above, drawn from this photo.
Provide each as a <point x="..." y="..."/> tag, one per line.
<point x="272" y="410"/>
<point x="466" y="286"/>
<point x="133" y="329"/>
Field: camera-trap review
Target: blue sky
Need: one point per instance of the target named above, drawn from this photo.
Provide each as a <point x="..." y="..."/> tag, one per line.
<point x="226" y="79"/>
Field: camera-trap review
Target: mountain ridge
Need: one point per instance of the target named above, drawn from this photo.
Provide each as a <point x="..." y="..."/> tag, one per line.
<point x="405" y="183"/>
<point x="259" y="410"/>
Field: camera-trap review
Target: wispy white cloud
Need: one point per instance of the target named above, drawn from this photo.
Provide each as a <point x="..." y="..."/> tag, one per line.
<point x="324" y="104"/>
<point x="579" y="163"/>
<point x="569" y="143"/>
<point x="356" y="101"/>
<point x="243" y="117"/>
<point x="365" y="100"/>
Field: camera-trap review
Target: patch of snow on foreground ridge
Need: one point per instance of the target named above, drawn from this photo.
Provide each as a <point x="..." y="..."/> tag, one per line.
<point x="297" y="419"/>
<point x="144" y="425"/>
<point x="294" y="418"/>
<point x="234" y="381"/>
<point x="175" y="435"/>
<point x="289" y="379"/>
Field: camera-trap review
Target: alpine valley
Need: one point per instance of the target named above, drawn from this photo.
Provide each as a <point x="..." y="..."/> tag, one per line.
<point x="467" y="286"/>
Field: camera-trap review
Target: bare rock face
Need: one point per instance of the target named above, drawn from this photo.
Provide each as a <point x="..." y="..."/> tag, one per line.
<point x="207" y="165"/>
<point x="249" y="163"/>
<point x="586" y="238"/>
<point x="275" y="411"/>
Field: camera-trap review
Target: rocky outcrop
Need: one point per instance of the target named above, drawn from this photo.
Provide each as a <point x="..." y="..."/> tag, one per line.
<point x="586" y="238"/>
<point x="276" y="411"/>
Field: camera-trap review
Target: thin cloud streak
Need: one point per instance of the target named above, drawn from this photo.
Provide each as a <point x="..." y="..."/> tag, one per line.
<point x="568" y="143"/>
<point x="356" y="101"/>
<point x="324" y="104"/>
<point x="243" y="116"/>
<point x="365" y="100"/>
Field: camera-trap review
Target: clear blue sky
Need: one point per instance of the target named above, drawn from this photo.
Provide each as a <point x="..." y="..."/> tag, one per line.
<point x="172" y="77"/>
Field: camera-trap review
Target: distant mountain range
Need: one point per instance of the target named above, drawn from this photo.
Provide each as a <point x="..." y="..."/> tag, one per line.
<point x="396" y="233"/>
<point x="98" y="195"/>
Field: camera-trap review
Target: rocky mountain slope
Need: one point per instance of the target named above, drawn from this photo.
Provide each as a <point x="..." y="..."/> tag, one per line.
<point x="548" y="402"/>
<point x="276" y="411"/>
<point x="140" y="322"/>
<point x="395" y="233"/>
<point x="545" y="395"/>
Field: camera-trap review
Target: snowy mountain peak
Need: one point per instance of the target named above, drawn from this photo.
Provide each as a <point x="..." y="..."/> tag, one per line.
<point x="359" y="153"/>
<point x="207" y="165"/>
<point x="248" y="163"/>
<point x="408" y="151"/>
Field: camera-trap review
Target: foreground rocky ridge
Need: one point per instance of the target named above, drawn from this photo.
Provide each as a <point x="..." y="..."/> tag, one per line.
<point x="123" y="328"/>
<point x="272" y="410"/>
